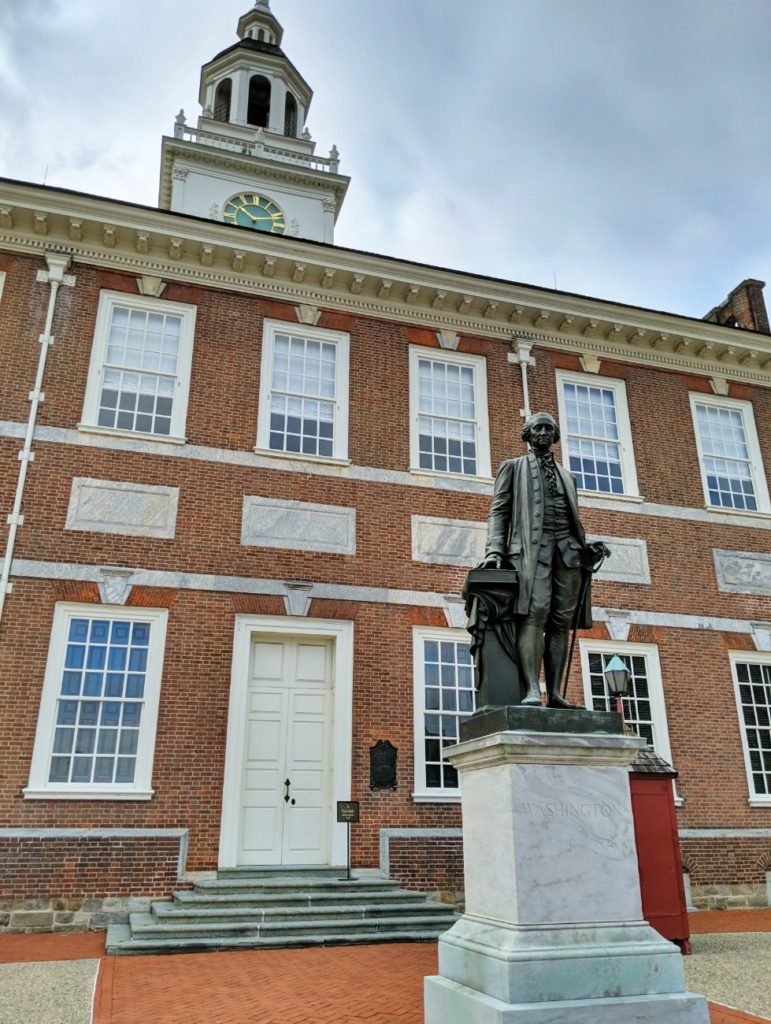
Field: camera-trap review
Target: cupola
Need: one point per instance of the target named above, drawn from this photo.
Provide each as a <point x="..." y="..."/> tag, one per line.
<point x="250" y="161"/>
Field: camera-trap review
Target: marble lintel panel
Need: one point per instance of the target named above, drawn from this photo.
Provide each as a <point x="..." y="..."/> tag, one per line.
<point x="298" y="525"/>
<point x="134" y="510"/>
<point x="447" y="541"/>
<point x="628" y="561"/>
<point x="743" y="572"/>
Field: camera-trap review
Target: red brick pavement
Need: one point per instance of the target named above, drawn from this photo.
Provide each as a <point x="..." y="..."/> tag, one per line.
<point x="356" y="985"/>
<point x="19" y="949"/>
<point x="709" y="922"/>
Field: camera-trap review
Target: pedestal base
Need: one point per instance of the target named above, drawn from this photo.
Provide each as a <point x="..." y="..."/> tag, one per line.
<point x="446" y="1002"/>
<point x="525" y="965"/>
<point x="553" y="931"/>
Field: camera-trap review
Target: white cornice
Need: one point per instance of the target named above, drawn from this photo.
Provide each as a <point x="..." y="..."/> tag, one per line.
<point x="34" y="219"/>
<point x="293" y="174"/>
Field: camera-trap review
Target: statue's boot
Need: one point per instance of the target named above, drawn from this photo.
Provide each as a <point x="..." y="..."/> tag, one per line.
<point x="530" y="652"/>
<point x="554" y="700"/>
<point x="554" y="658"/>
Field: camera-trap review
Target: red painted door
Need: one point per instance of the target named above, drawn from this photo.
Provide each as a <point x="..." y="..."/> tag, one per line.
<point x="658" y="854"/>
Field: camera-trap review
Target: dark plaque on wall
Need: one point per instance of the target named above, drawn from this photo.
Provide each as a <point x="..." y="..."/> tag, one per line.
<point x="382" y="765"/>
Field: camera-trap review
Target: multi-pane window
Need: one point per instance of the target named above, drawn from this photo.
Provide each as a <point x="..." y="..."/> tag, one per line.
<point x="304" y="392"/>
<point x="753" y="689"/>
<point x="596" y="439"/>
<point x="99" y="710"/>
<point x="99" y="703"/>
<point x="593" y="448"/>
<point x="730" y="459"/>
<point x="644" y="708"/>
<point x="447" y="422"/>
<point x="140" y="371"/>
<point x="140" y="366"/>
<point x="449" y="413"/>
<point x="445" y="695"/>
<point x="302" y="401"/>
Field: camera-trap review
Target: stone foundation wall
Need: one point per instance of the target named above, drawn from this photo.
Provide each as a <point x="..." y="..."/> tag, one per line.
<point x="75" y="879"/>
<point x="727" y="871"/>
<point x="73" y="915"/>
<point x="730" y="897"/>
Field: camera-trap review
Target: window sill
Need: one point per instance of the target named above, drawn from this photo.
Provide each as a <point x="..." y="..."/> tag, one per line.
<point x="438" y="474"/>
<point x="31" y="793"/>
<point x="435" y="798"/>
<point x="760" y="801"/>
<point x="87" y="428"/>
<point x="325" y="460"/>
<point x="739" y="512"/>
<point x="623" y="499"/>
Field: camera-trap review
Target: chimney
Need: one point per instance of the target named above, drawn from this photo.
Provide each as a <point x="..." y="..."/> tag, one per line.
<point x="744" y="307"/>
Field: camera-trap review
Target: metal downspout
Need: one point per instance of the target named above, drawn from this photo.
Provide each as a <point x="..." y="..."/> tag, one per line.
<point x="55" y="277"/>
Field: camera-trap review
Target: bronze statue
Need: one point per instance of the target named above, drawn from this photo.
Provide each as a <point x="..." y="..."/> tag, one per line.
<point x="534" y="532"/>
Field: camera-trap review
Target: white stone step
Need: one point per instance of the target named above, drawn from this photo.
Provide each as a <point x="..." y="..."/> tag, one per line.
<point x="166" y="912"/>
<point x="143" y="925"/>
<point x="120" y="942"/>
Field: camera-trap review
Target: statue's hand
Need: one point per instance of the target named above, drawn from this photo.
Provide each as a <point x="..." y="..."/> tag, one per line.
<point x="491" y="561"/>
<point x="596" y="552"/>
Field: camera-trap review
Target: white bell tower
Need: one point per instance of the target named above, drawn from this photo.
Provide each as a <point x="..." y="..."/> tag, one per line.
<point x="250" y="160"/>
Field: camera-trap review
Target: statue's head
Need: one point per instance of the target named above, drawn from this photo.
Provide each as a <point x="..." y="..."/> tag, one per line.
<point x="537" y="418"/>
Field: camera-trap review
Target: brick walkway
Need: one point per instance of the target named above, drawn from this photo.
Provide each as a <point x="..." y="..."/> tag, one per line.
<point x="710" y="922"/>
<point x="354" y="985"/>
<point x="357" y="985"/>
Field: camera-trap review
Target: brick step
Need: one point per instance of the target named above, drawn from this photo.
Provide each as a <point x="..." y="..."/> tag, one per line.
<point x="169" y="912"/>
<point x="146" y="925"/>
<point x="120" y="942"/>
<point x="290" y="898"/>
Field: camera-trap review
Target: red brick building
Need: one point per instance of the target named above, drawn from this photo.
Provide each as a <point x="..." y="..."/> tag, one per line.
<point x="242" y="475"/>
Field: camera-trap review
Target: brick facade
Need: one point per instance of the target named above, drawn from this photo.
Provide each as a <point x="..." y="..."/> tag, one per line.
<point x="213" y="478"/>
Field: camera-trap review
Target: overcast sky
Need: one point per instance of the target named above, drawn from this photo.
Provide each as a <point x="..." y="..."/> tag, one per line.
<point x="623" y="146"/>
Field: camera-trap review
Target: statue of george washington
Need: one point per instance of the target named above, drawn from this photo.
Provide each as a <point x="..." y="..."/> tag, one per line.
<point x="534" y="529"/>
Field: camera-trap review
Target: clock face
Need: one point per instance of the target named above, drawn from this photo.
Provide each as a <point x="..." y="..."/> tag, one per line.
<point x="251" y="210"/>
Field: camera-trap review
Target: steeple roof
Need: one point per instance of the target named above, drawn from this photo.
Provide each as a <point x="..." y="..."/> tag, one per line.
<point x="261" y="17"/>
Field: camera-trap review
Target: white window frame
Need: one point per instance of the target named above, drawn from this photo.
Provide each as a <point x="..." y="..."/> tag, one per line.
<point x="753" y="447"/>
<point x="479" y="366"/>
<point x="341" y="340"/>
<point x="618" y="387"/>
<point x="2" y="283"/>
<point x="748" y="658"/>
<point x="107" y="302"/>
<point x="655" y="686"/>
<point x="141" y="788"/>
<point x="421" y="792"/>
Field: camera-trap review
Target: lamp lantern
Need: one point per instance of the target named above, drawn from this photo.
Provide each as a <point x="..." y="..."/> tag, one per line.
<point x="617" y="676"/>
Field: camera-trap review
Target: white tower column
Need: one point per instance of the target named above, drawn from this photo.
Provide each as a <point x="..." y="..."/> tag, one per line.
<point x="277" y="105"/>
<point x="239" y="102"/>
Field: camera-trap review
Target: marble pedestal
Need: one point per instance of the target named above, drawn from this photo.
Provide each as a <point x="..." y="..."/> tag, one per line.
<point x="553" y="931"/>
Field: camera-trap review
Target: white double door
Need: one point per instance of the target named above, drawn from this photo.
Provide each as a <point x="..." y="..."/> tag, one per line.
<point x="285" y="813"/>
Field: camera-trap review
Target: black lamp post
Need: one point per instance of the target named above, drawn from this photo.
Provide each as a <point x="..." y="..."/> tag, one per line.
<point x="617" y="676"/>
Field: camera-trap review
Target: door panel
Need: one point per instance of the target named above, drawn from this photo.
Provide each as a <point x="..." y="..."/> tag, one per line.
<point x="288" y="736"/>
